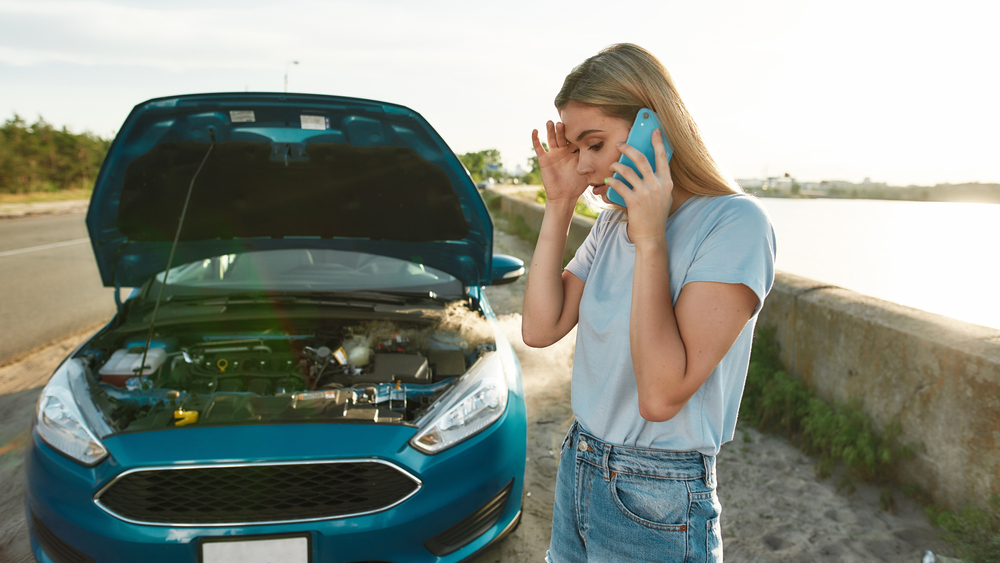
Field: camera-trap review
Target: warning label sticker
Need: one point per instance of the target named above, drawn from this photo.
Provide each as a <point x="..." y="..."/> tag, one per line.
<point x="242" y="116"/>
<point x="314" y="122"/>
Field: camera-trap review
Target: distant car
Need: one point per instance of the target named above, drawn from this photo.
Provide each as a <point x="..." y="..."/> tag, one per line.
<point x="317" y="377"/>
<point x="486" y="183"/>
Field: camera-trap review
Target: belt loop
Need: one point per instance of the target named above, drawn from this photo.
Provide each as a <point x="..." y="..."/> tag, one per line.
<point x="604" y="461"/>
<point x="709" y="463"/>
<point x="568" y="440"/>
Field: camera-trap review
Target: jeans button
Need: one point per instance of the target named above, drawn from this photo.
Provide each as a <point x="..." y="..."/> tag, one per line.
<point x="582" y="446"/>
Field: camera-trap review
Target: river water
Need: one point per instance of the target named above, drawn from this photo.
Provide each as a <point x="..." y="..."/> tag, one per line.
<point x="938" y="257"/>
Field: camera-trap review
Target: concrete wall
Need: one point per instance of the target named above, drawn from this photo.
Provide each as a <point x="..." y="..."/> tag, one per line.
<point x="938" y="376"/>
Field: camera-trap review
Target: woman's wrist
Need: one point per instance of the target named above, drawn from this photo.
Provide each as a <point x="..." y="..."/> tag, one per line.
<point x="560" y="206"/>
<point x="650" y="245"/>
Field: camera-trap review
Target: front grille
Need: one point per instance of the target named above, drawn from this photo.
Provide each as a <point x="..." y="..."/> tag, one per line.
<point x="53" y="546"/>
<point x="256" y="493"/>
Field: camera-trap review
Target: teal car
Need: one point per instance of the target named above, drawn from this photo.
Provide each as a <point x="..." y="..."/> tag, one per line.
<point x="306" y="368"/>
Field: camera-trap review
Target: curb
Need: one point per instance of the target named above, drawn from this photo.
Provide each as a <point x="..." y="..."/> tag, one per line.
<point x="18" y="210"/>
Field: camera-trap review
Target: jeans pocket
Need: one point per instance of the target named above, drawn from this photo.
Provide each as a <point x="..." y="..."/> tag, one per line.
<point x="713" y="541"/>
<point x="659" y="504"/>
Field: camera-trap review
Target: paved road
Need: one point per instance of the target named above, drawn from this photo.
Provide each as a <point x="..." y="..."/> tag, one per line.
<point x="49" y="285"/>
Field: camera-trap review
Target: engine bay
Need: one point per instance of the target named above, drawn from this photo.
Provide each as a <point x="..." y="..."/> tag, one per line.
<point x="360" y="371"/>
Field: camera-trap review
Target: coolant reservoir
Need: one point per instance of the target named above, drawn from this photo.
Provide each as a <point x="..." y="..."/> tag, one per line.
<point x="358" y="352"/>
<point x="124" y="364"/>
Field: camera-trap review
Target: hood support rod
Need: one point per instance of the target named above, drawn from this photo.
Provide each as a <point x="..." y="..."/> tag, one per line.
<point x="170" y="260"/>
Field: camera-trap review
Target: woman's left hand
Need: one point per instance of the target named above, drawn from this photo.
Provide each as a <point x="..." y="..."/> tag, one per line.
<point x="651" y="196"/>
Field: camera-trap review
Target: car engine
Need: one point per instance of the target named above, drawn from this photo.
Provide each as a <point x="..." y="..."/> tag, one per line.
<point x="375" y="371"/>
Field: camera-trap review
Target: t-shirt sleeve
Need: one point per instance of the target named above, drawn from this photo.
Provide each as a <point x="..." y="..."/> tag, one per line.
<point x="580" y="265"/>
<point x="739" y="248"/>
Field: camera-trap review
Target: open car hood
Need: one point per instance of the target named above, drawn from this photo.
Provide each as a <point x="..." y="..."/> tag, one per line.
<point x="276" y="171"/>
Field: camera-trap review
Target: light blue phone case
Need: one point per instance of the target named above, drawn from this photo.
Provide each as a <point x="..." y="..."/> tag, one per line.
<point x="641" y="137"/>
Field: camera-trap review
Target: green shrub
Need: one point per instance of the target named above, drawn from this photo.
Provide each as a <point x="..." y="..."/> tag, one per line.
<point x="533" y="178"/>
<point x="492" y="200"/>
<point x="40" y="158"/>
<point x="974" y="533"/>
<point x="517" y="226"/>
<point x="836" y="433"/>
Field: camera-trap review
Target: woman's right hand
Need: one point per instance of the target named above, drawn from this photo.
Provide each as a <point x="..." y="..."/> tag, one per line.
<point x="558" y="165"/>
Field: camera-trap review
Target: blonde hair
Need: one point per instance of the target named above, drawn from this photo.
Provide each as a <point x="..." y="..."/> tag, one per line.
<point x="624" y="78"/>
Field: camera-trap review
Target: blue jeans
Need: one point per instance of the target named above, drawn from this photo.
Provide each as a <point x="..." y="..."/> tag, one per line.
<point x="615" y="503"/>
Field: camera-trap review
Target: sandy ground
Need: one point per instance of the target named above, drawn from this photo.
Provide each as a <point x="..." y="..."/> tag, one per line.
<point x="774" y="508"/>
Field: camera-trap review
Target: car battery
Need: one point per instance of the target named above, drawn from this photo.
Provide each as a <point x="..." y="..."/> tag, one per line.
<point x="408" y="368"/>
<point x="124" y="364"/>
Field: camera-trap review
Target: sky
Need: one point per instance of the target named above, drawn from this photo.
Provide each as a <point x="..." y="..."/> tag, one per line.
<point x="902" y="92"/>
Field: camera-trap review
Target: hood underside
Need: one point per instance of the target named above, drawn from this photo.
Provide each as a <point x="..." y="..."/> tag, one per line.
<point x="270" y="171"/>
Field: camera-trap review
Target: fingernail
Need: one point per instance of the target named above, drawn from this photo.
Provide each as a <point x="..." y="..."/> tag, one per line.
<point x="619" y="144"/>
<point x="606" y="180"/>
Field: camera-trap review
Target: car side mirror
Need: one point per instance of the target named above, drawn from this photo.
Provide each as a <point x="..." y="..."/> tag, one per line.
<point x="506" y="269"/>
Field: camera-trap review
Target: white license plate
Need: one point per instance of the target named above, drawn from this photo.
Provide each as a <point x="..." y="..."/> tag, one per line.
<point x="283" y="550"/>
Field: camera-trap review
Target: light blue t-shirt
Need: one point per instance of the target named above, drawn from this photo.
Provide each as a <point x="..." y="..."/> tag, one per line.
<point x="725" y="239"/>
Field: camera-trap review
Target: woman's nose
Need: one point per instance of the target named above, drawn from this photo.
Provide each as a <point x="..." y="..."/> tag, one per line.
<point x="584" y="165"/>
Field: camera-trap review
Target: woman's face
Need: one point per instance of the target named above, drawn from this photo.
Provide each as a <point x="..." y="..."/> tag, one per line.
<point x="594" y="137"/>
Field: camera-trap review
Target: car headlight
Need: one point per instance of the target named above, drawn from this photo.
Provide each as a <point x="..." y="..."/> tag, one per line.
<point x="60" y="421"/>
<point x="473" y="404"/>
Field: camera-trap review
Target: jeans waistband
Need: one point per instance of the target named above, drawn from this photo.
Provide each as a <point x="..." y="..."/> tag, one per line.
<point x="662" y="464"/>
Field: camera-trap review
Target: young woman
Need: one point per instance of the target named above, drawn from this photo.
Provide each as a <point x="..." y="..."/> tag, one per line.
<point x="665" y="295"/>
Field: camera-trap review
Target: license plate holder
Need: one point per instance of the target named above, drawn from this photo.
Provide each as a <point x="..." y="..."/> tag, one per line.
<point x="284" y="548"/>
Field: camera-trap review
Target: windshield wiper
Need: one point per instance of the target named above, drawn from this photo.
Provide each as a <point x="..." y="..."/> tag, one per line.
<point x="415" y="296"/>
<point x="344" y="299"/>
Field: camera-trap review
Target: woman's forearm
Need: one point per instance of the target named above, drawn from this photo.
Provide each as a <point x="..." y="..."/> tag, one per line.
<point x="676" y="347"/>
<point x="658" y="354"/>
<point x="544" y="294"/>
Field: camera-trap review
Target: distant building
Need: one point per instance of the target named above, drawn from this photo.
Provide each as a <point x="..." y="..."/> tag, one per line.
<point x="779" y="183"/>
<point x="749" y="183"/>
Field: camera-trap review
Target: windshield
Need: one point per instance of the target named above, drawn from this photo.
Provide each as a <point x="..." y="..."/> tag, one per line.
<point x="309" y="270"/>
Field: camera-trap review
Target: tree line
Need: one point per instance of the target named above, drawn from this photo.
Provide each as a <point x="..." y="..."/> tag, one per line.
<point x="483" y="164"/>
<point x="38" y="157"/>
<point x="487" y="164"/>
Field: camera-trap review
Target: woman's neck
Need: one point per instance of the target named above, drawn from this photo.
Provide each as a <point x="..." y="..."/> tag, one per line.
<point x="680" y="196"/>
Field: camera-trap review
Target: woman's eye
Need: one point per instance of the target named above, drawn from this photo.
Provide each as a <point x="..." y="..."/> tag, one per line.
<point x="575" y="151"/>
<point x="596" y="147"/>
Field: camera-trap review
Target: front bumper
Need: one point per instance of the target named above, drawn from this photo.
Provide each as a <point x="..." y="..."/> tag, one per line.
<point x="457" y="485"/>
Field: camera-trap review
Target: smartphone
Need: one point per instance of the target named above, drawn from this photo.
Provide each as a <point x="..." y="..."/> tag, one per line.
<point x="641" y="137"/>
